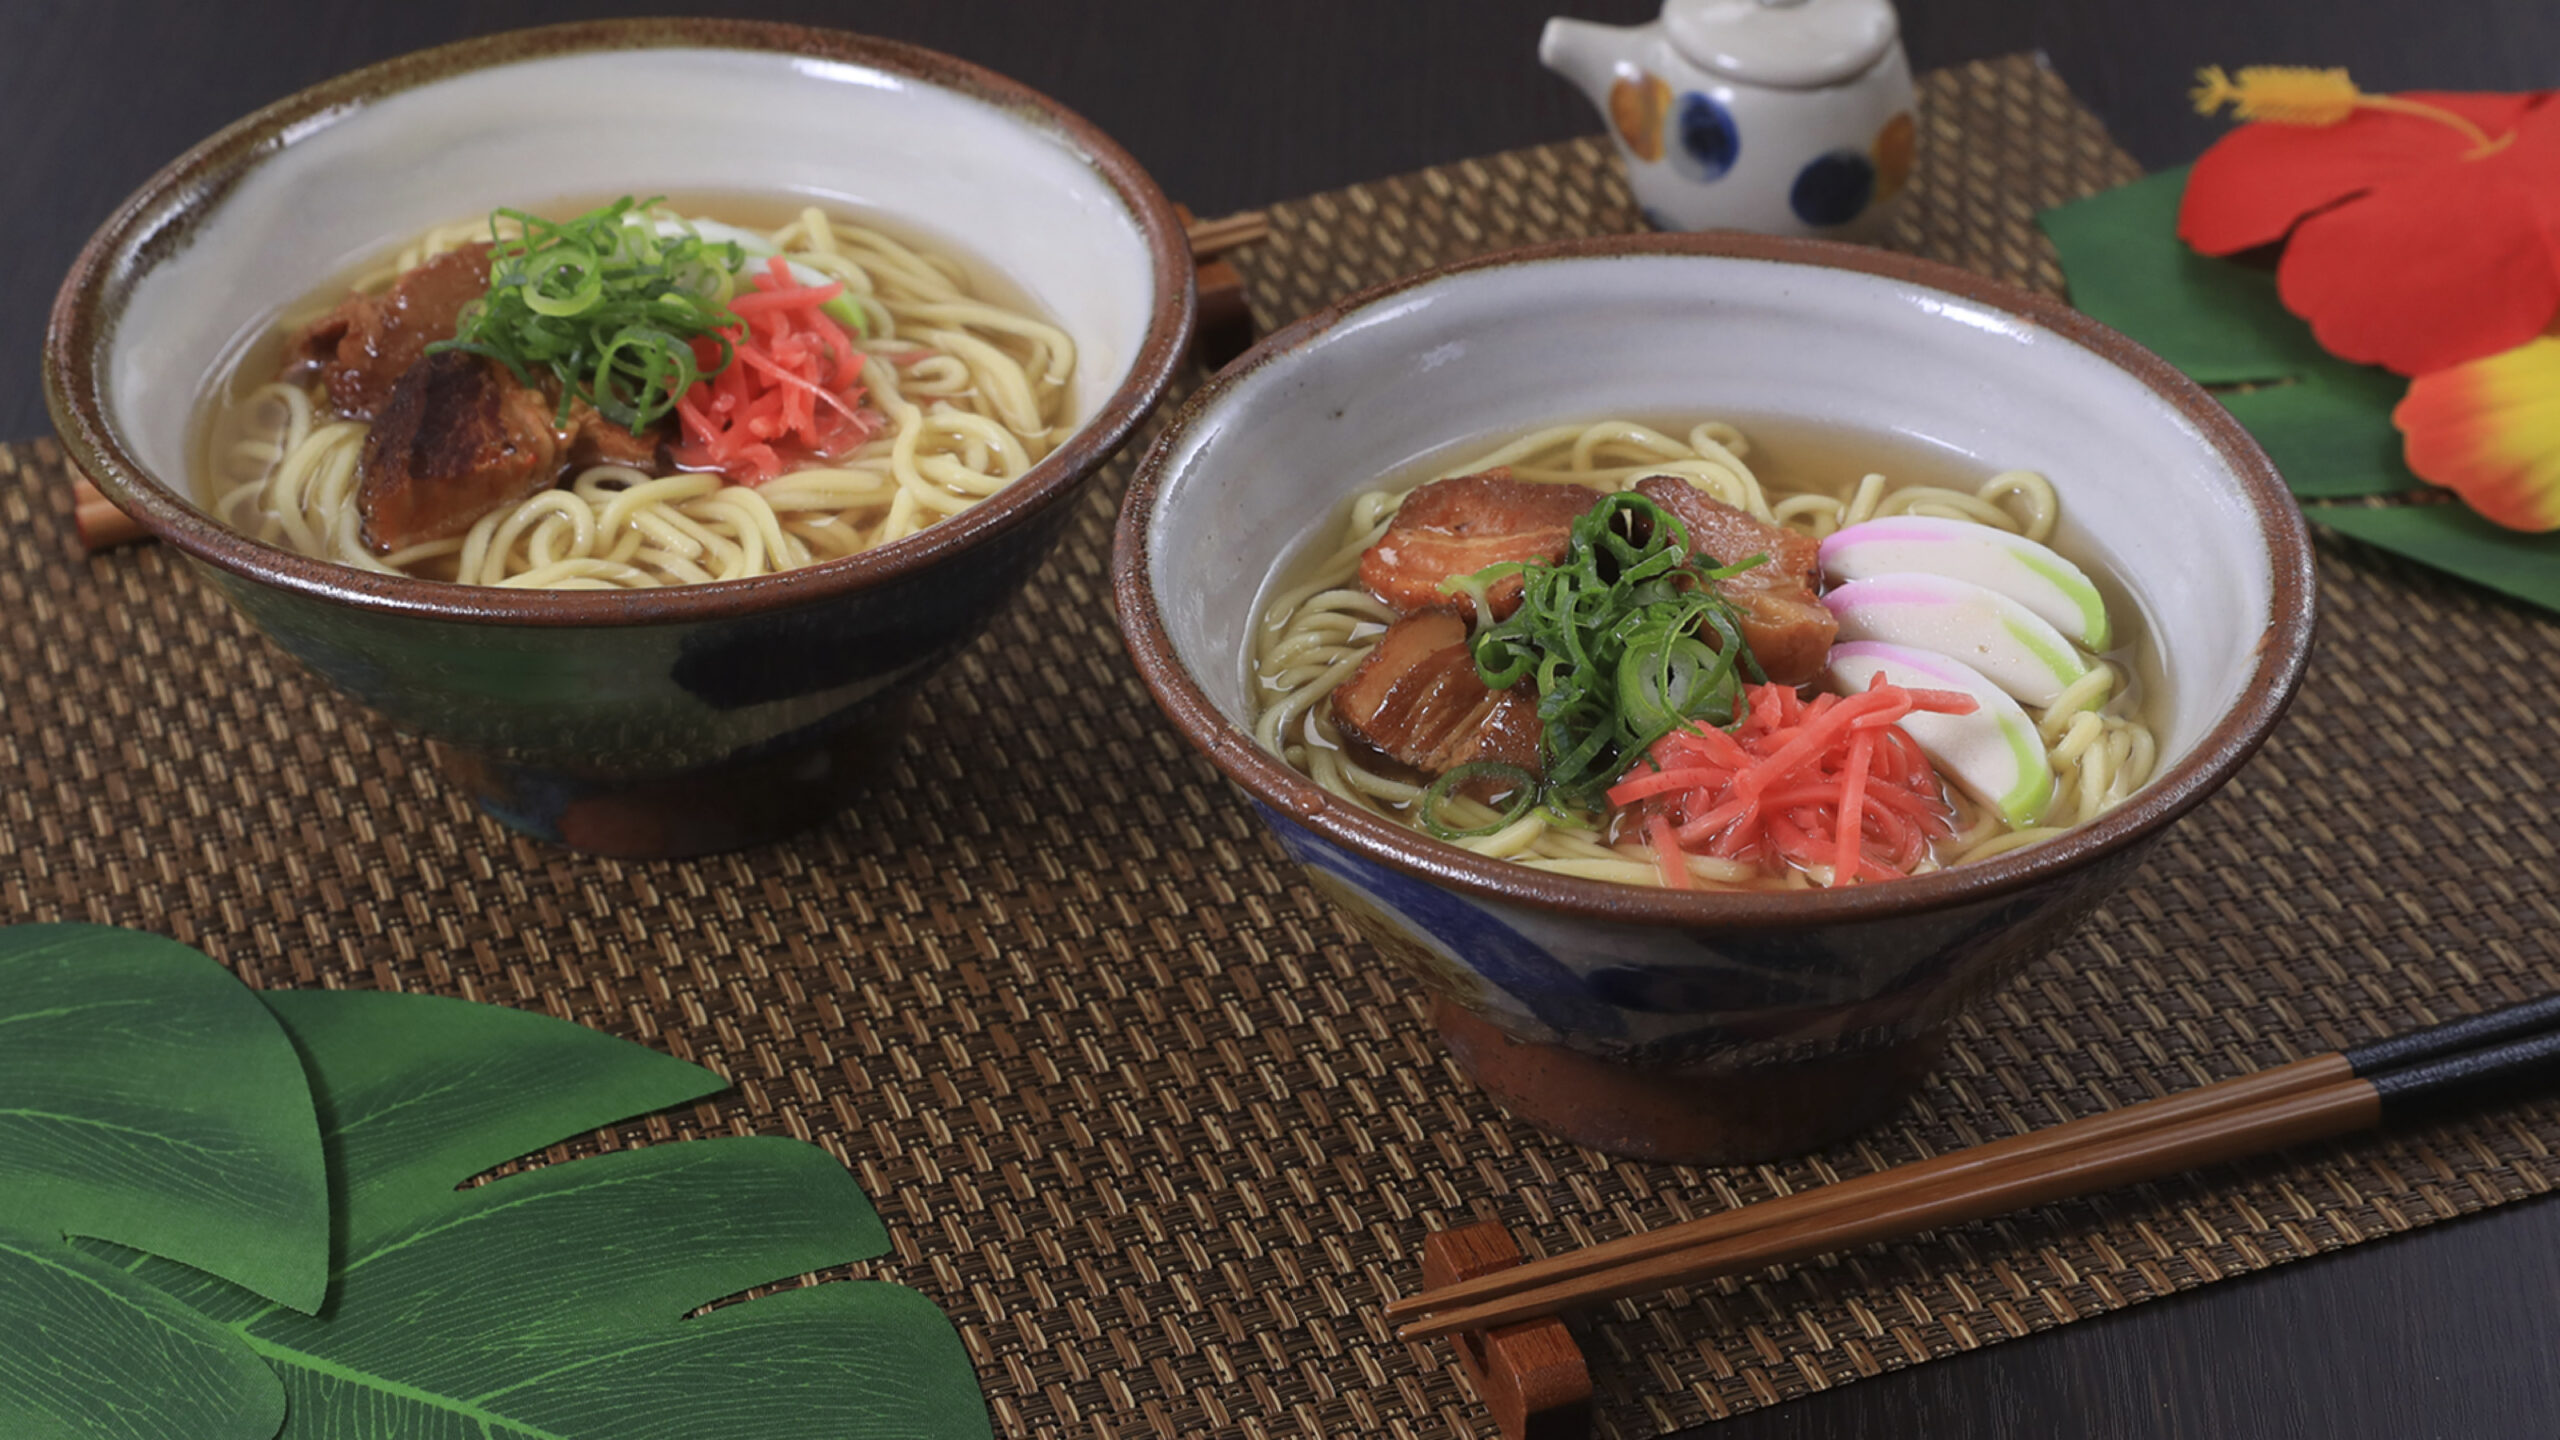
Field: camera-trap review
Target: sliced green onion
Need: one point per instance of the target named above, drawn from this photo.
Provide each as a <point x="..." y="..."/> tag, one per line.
<point x="565" y="281"/>
<point x="1524" y="792"/>
<point x="1627" y="638"/>
<point x="607" y="305"/>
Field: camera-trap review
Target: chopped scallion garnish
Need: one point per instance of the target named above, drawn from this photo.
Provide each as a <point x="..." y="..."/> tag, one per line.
<point x="1626" y="638"/>
<point x="1518" y="784"/>
<point x="607" y="306"/>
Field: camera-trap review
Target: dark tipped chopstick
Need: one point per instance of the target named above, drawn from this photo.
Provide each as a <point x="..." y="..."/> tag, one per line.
<point x="2309" y="1099"/>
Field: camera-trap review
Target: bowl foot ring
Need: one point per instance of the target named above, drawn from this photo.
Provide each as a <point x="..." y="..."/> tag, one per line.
<point x="752" y="799"/>
<point x="1688" y="1115"/>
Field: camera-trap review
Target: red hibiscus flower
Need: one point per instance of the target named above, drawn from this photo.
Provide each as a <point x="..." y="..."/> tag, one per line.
<point x="2421" y="230"/>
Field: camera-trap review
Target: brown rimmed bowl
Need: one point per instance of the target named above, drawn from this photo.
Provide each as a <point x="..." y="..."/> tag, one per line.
<point x="1703" y="1026"/>
<point x="639" y="723"/>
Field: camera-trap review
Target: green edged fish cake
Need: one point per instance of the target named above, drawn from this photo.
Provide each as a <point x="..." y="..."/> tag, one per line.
<point x="2008" y="643"/>
<point x="1994" y="753"/>
<point x="2030" y="573"/>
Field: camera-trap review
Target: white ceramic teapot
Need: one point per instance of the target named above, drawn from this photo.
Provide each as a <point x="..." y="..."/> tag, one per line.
<point x="1791" y="117"/>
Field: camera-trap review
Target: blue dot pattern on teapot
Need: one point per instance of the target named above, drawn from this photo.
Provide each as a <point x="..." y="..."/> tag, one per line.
<point x="1833" y="189"/>
<point x="1709" y="142"/>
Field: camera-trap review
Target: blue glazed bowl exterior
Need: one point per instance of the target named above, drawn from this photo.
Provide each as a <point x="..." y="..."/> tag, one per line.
<point x="1720" y="997"/>
<point x="676" y="737"/>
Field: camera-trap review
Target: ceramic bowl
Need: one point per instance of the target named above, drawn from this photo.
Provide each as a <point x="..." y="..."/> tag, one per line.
<point x="1694" y="1025"/>
<point x="630" y="722"/>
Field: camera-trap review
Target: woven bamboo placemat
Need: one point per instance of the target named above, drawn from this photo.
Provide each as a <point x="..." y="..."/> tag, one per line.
<point x="1144" y="1116"/>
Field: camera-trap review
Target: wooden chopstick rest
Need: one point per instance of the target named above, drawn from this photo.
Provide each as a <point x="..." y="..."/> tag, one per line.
<point x="1225" y="325"/>
<point x="1529" y="1376"/>
<point x="100" y="524"/>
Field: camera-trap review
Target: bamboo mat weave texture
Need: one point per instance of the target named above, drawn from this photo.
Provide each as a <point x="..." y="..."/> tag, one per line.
<point x="1146" y="1119"/>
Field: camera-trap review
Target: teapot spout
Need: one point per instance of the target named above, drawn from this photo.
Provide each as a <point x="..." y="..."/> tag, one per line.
<point x="1587" y="54"/>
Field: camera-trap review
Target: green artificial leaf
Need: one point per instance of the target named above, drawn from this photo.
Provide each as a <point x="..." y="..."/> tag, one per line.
<point x="88" y="1352"/>
<point x="2324" y="422"/>
<point x="147" y="1098"/>
<point x="2330" y="431"/>
<point x="2218" y="320"/>
<point x="2454" y="538"/>
<point x="553" y="1303"/>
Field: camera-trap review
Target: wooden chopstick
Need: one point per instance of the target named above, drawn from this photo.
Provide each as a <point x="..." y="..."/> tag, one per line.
<point x="2309" y="1099"/>
<point x="2035" y="1145"/>
<point x="1226" y="232"/>
<point x="2228" y="1134"/>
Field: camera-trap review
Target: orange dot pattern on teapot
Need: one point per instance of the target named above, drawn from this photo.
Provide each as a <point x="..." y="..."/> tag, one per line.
<point x="1893" y="152"/>
<point x="1639" y="107"/>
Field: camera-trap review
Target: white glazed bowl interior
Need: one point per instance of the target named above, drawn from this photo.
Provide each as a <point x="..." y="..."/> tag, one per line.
<point x="1469" y="359"/>
<point x="689" y="121"/>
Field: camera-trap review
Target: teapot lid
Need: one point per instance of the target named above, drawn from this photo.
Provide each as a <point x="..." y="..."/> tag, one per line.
<point x="1797" y="44"/>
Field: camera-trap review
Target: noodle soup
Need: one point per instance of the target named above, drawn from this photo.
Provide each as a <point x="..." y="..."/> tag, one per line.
<point x="934" y="384"/>
<point x="613" y="713"/>
<point x="1435" y="744"/>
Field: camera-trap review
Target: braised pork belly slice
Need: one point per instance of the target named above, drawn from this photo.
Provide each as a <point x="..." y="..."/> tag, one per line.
<point x="1460" y="525"/>
<point x="1417" y="701"/>
<point x="363" y="347"/>
<point x="1783" y="619"/>
<point x="590" y="439"/>
<point x="457" y="438"/>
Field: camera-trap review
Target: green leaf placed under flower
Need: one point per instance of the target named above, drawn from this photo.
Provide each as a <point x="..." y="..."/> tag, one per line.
<point x="553" y="1303"/>
<point x="146" y="1097"/>
<point x="2452" y="538"/>
<point x="2325" y="423"/>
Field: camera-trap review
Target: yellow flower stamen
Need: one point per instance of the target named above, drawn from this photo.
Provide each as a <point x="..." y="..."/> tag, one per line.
<point x="2285" y="94"/>
<point x="2301" y="95"/>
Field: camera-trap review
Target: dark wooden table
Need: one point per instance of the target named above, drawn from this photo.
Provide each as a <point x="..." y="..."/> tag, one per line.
<point x="2454" y="1332"/>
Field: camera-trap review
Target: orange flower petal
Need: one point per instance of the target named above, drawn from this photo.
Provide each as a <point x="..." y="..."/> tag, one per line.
<point x="2490" y="432"/>
<point x="2261" y="180"/>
